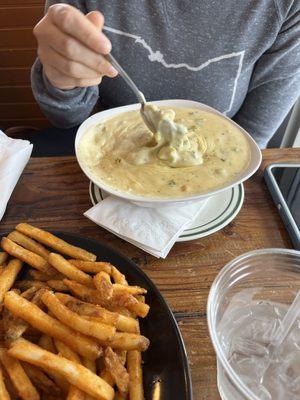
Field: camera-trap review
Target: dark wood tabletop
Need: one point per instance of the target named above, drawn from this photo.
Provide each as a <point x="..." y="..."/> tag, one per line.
<point x="53" y="194"/>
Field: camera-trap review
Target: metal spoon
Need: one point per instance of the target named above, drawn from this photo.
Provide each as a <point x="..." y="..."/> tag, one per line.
<point x="141" y="98"/>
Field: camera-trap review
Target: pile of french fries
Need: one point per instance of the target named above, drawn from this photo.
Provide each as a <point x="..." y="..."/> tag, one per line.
<point x="70" y="328"/>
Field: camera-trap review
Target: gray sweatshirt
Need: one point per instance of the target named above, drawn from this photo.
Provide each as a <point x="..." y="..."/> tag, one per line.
<point x="240" y="57"/>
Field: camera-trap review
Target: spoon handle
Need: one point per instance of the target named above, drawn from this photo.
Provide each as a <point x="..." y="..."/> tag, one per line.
<point x="126" y="78"/>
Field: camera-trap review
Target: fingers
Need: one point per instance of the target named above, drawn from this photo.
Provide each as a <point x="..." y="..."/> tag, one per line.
<point x="74" y="23"/>
<point x="96" y="18"/>
<point x="69" y="67"/>
<point x="71" y="51"/>
<point x="72" y="47"/>
<point x="64" y="82"/>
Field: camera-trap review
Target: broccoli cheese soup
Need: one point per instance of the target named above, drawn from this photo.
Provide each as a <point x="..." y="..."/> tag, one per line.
<point x="192" y="152"/>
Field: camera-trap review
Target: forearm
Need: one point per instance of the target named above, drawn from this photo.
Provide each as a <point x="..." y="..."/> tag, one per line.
<point x="265" y="108"/>
<point x="63" y="108"/>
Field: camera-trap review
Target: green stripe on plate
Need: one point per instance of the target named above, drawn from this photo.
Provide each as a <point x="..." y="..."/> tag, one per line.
<point x="225" y="219"/>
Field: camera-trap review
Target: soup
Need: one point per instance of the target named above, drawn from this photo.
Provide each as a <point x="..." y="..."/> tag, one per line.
<point x="192" y="152"/>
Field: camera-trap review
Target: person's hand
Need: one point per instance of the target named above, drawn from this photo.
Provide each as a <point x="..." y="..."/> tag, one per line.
<point x="71" y="46"/>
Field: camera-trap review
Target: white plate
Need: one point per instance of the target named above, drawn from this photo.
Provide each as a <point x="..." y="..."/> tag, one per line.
<point x="218" y="211"/>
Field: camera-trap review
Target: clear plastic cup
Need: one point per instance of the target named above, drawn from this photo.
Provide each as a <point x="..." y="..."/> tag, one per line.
<point x="246" y="304"/>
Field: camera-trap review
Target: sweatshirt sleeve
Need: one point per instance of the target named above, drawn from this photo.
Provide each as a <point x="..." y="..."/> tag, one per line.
<point x="275" y="82"/>
<point x="63" y="108"/>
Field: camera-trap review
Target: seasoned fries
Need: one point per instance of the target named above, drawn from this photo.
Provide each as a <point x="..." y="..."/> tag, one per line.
<point x="67" y="269"/>
<point x="90" y="364"/>
<point x="127" y="341"/>
<point x="38" y="319"/>
<point x="76" y="374"/>
<point x="93" y="296"/>
<point x="55" y="243"/>
<point x="41" y="380"/>
<point x="103" y="284"/>
<point x="134" y="366"/>
<point x="4" y="395"/>
<point x="118" y="276"/>
<point x="134" y="290"/>
<point x="18" y="376"/>
<point x="8" y="277"/>
<point x="43" y="277"/>
<point x="121" y="322"/>
<point x="57" y="285"/>
<point x="30" y="258"/>
<point x="92" y="267"/>
<point x="27" y="284"/>
<point x="29" y="244"/>
<point x="82" y="313"/>
<point x="46" y="343"/>
<point x="3" y="257"/>
<point x="65" y="351"/>
<point x="90" y="328"/>
<point x="116" y="369"/>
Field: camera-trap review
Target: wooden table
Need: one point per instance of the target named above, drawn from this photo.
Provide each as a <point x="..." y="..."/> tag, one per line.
<point x="53" y="194"/>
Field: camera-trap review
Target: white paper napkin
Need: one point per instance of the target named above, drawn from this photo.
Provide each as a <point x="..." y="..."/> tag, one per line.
<point x="155" y="230"/>
<point x="14" y="155"/>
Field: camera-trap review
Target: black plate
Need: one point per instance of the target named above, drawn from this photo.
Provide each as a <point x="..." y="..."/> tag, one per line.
<point x="166" y="370"/>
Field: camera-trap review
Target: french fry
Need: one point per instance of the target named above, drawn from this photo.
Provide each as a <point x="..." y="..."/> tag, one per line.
<point x="76" y="394"/>
<point x="83" y="292"/>
<point x="40" y="320"/>
<point x="117" y="370"/>
<point x="134" y="290"/>
<point x="90" y="364"/>
<point x="140" y="298"/>
<point x="76" y="374"/>
<point x="118" y="300"/>
<point x="27" y="284"/>
<point x="122" y="323"/>
<point x="3" y="257"/>
<point x="29" y="293"/>
<point x="41" y="380"/>
<point x="22" y="254"/>
<point x="8" y="277"/>
<point x="43" y="277"/>
<point x="92" y="266"/>
<point x="124" y="311"/>
<point x="55" y="243"/>
<point x="107" y="377"/>
<point x="9" y="385"/>
<point x="134" y="368"/>
<point x="131" y="303"/>
<point x="14" y="327"/>
<point x="29" y="244"/>
<point x="118" y="277"/>
<point x="87" y="327"/>
<point x="69" y="270"/>
<point x="18" y="376"/>
<point x="57" y="285"/>
<point x="103" y="284"/>
<point x="122" y="354"/>
<point x="87" y="309"/>
<point x="127" y="341"/>
<point x="4" y="395"/>
<point x="65" y="351"/>
<point x="46" y="343"/>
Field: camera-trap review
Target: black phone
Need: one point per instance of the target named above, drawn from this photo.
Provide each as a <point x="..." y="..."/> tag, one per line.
<point x="283" y="181"/>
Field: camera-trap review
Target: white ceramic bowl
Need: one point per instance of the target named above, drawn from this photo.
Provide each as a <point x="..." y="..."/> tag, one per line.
<point x="255" y="158"/>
